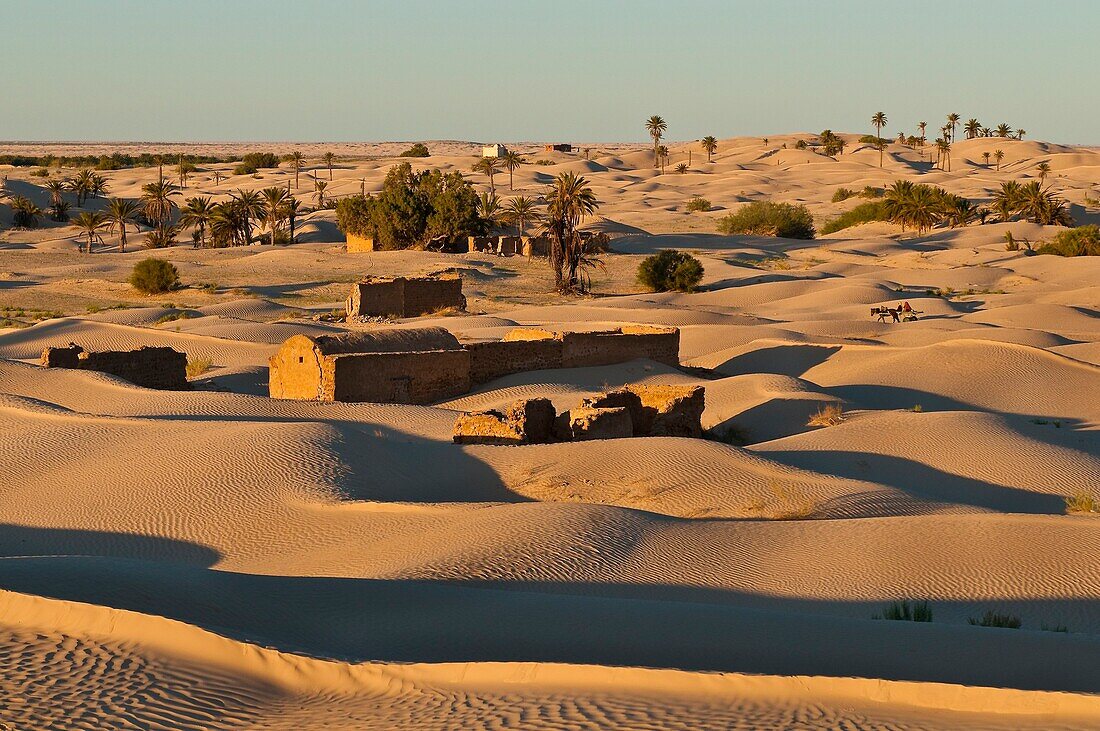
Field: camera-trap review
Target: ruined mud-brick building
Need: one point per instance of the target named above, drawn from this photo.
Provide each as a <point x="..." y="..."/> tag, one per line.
<point x="162" y="368"/>
<point x="405" y="296"/>
<point x="419" y="366"/>
<point x="386" y="366"/>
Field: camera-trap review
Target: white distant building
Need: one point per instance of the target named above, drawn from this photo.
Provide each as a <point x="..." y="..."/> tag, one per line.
<point x="494" y="150"/>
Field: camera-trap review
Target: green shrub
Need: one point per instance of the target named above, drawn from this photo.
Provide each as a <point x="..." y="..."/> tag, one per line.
<point x="244" y="169"/>
<point x="417" y="150"/>
<point x="995" y="619"/>
<point x="872" y="140"/>
<point x="154" y="276"/>
<point x="903" y="611"/>
<point x="260" y="160"/>
<point x="764" y="218"/>
<point x="843" y="194"/>
<point x="870" y="191"/>
<point x="800" y="145"/>
<point x="670" y="270"/>
<point x="1080" y="241"/>
<point x="863" y="213"/>
<point x="698" y="204"/>
<point x="1081" y="501"/>
<point x="40" y="173"/>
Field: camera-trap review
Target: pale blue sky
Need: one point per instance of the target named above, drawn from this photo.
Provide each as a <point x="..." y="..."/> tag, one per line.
<point x="587" y="70"/>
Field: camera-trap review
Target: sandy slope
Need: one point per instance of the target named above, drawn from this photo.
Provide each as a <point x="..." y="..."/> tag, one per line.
<point x="215" y="559"/>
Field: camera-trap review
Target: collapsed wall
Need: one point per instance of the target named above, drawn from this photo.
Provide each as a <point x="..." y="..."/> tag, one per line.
<point x="404" y="296"/>
<point x="161" y="368"/>
<point x="429" y="364"/>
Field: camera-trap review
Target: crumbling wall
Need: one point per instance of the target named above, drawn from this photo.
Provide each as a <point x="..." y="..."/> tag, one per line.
<point x="295" y="370"/>
<point x="424" y="295"/>
<point x="527" y="421"/>
<point x="581" y="349"/>
<point x="162" y="368"/>
<point x="404" y="296"/>
<point x="399" y="378"/>
<point x="498" y="358"/>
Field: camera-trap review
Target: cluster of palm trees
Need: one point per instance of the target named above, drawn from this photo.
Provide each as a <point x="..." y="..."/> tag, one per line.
<point x="510" y="160"/>
<point x="923" y="206"/>
<point x="973" y="129"/>
<point x="1030" y="202"/>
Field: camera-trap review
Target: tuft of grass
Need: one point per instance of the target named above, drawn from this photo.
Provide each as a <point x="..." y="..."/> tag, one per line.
<point x="198" y="366"/>
<point x="906" y="611"/>
<point x="1082" y="502"/>
<point x="792" y="505"/>
<point x="827" y="415"/>
<point x="917" y="408"/>
<point x="173" y="316"/>
<point x="842" y="194"/>
<point x="995" y="619"/>
<point x="1054" y="628"/>
<point x="449" y="311"/>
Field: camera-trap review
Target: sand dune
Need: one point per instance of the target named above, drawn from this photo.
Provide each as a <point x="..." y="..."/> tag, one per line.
<point x="215" y="559"/>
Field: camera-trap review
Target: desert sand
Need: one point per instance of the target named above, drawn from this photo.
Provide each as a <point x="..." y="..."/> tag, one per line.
<point x="215" y="559"/>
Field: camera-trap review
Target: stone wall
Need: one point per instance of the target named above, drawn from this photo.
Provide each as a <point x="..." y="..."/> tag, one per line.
<point x="162" y="368"/>
<point x="404" y="296"/>
<point x="582" y="349"/>
<point x="399" y="378"/>
<point x="498" y="358"/>
<point x="357" y="244"/>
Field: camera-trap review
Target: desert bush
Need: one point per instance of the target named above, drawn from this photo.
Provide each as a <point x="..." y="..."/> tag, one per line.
<point x="40" y="173"/>
<point x="863" y="213"/>
<point x="872" y="140"/>
<point x="154" y="276"/>
<point x="1082" y="502"/>
<point x="670" y="270"/>
<point x="261" y="160"/>
<point x="172" y="317"/>
<point x="417" y="150"/>
<point x="904" y="611"/>
<point x="842" y="194"/>
<point x="244" y="169"/>
<point x="870" y="191"/>
<point x="698" y="204"/>
<point x="1080" y="241"/>
<point x="161" y="236"/>
<point x="198" y="366"/>
<point x="995" y="619"/>
<point x="827" y="415"/>
<point x="764" y="218"/>
<point x="800" y="145"/>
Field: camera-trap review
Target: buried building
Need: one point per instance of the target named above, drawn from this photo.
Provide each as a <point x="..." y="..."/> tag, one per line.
<point x="405" y="296"/>
<point x="162" y="368"/>
<point x="419" y="366"/>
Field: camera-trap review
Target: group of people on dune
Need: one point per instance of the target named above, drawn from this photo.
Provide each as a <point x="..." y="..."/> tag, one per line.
<point x="904" y="311"/>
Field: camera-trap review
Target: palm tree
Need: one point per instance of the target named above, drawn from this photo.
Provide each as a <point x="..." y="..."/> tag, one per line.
<point x="275" y="199"/>
<point x="226" y="223"/>
<point x="319" y="187"/>
<point x="82" y="185"/>
<point x="25" y="212"/>
<point x="489" y="209"/>
<point x="879" y="121"/>
<point x="710" y="146"/>
<point x="98" y="186"/>
<point x="328" y="158"/>
<point x="1003" y="130"/>
<point x="217" y="177"/>
<point x="662" y="155"/>
<point x="985" y="156"/>
<point x="656" y="126"/>
<point x="296" y="159"/>
<point x="944" y="148"/>
<point x="1007" y="200"/>
<point x="521" y="211"/>
<point x="986" y="132"/>
<point x="1044" y="170"/>
<point x="198" y="212"/>
<point x="972" y="128"/>
<point x="511" y="160"/>
<point x="56" y="187"/>
<point x="122" y="212"/>
<point x="90" y="224"/>
<point x="998" y="155"/>
<point x="157" y="205"/>
<point x="569" y="201"/>
<point x="251" y="205"/>
<point x="921" y="126"/>
<point x="952" y="122"/>
<point x="488" y="165"/>
<point x="1020" y="133"/>
<point x="290" y="211"/>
